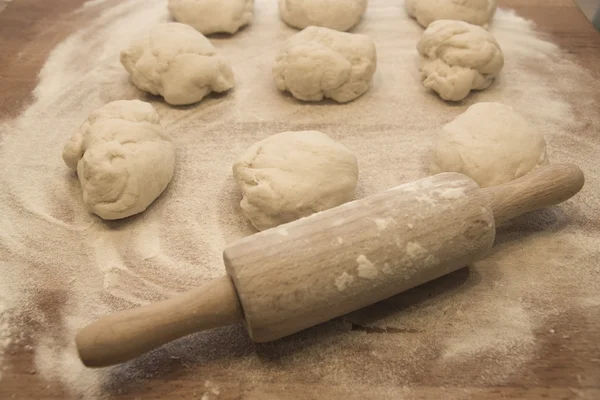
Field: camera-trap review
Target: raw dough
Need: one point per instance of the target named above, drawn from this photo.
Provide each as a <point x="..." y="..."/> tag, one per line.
<point x="292" y="175"/>
<point x="457" y="57"/>
<point x="123" y="157"/>
<point x="491" y="143"/>
<point x="340" y="15"/>
<point x="178" y="63"/>
<point x="321" y="62"/>
<point x="478" y="12"/>
<point x="212" y="16"/>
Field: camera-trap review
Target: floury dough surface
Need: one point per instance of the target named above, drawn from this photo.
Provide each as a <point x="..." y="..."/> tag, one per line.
<point x="291" y="175"/>
<point x="340" y="15"/>
<point x="457" y="57"/>
<point x="123" y="157"/>
<point x="319" y="63"/>
<point x="212" y="16"/>
<point x="491" y="143"/>
<point x="178" y="63"/>
<point x="61" y="267"/>
<point x="478" y="12"/>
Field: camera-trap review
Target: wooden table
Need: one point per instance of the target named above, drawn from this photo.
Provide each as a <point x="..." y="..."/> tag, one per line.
<point x="29" y="29"/>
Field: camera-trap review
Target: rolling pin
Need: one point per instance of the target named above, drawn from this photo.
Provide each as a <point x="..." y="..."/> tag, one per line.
<point x="306" y="272"/>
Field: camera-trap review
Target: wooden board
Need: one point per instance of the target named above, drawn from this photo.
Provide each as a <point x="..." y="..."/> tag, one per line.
<point x="29" y="29"/>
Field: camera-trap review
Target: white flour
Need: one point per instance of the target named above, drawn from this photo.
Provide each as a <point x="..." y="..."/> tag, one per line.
<point x="66" y="267"/>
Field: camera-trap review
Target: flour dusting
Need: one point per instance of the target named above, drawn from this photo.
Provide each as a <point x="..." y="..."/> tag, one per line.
<point x="343" y="281"/>
<point x="61" y="267"/>
<point x="366" y="269"/>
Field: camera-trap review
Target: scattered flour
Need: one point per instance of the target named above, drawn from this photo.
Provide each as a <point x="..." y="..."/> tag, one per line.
<point x="6" y="332"/>
<point x="415" y="251"/>
<point x="382" y="223"/>
<point x="387" y="269"/>
<point x="516" y="333"/>
<point x="453" y="193"/>
<point x="426" y="200"/>
<point x="66" y="267"/>
<point x="366" y="269"/>
<point x="343" y="281"/>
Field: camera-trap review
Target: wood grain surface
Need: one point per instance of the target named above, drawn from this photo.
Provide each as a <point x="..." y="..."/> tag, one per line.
<point x="29" y="29"/>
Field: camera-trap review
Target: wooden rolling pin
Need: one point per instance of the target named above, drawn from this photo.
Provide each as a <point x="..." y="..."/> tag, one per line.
<point x="309" y="271"/>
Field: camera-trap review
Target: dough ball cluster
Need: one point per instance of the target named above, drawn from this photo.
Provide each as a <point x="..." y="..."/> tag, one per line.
<point x="340" y="15"/>
<point x="123" y="157"/>
<point x="125" y="160"/>
<point x="457" y="57"/>
<point x="212" y="16"/>
<point x="491" y="143"/>
<point x="320" y="62"/>
<point x="292" y="175"/>
<point x="178" y="63"/>
<point x="478" y="12"/>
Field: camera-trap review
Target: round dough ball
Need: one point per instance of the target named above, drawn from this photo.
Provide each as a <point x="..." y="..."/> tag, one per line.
<point x="123" y="157"/>
<point x="490" y="143"/>
<point x="212" y="16"/>
<point x="340" y="15"/>
<point x="478" y="12"/>
<point x="292" y="175"/>
<point x="322" y="62"/>
<point x="178" y="63"/>
<point x="457" y="57"/>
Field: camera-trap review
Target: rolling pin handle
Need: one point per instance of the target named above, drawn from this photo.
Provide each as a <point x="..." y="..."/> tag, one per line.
<point x="127" y="334"/>
<point x="543" y="187"/>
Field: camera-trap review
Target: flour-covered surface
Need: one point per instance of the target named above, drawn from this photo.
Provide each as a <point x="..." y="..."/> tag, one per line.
<point x="528" y="316"/>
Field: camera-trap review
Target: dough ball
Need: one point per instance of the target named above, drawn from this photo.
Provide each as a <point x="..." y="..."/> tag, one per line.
<point x="491" y="143"/>
<point x="457" y="57"/>
<point x="321" y="62"/>
<point x="292" y="175"/>
<point x="178" y="63"/>
<point x="478" y="12"/>
<point x="123" y="157"/>
<point x="212" y="16"/>
<point x="340" y="15"/>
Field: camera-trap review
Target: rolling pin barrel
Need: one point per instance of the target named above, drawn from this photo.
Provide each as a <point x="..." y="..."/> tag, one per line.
<point x="317" y="268"/>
